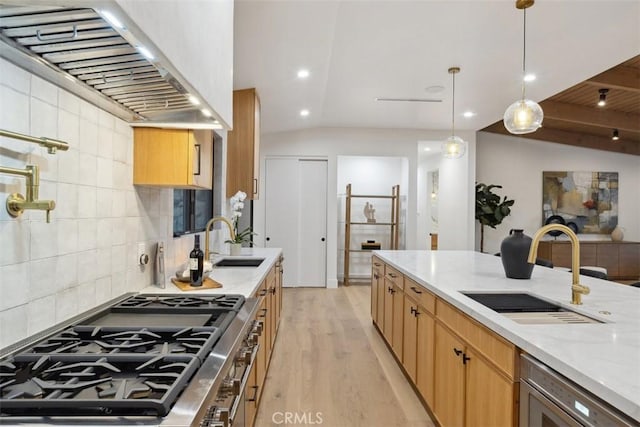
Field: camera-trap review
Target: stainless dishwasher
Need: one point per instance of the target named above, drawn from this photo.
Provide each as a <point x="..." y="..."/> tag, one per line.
<point x="548" y="399"/>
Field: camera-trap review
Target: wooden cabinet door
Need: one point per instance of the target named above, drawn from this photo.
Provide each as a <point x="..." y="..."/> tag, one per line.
<point x="490" y="396"/>
<point x="608" y="258"/>
<point x="176" y="158"/>
<point x="449" y="378"/>
<point x="381" y="302"/>
<point x="425" y="347"/>
<point x="409" y="352"/>
<point x="629" y="263"/>
<point x="398" y="321"/>
<point x="387" y="325"/>
<point x="243" y="144"/>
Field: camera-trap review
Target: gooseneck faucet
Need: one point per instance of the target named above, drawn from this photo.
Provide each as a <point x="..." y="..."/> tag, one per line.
<point x="577" y="290"/>
<point x="232" y="234"/>
<point x="16" y="202"/>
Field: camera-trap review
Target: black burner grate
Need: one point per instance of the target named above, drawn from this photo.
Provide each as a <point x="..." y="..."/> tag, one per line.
<point x="98" y="385"/>
<point x="184" y="304"/>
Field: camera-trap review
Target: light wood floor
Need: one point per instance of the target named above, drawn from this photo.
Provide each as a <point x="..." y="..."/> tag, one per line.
<point x="329" y="359"/>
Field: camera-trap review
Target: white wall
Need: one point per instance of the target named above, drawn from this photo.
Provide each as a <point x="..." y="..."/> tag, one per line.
<point x="517" y="164"/>
<point x="87" y="254"/>
<point x="456" y="232"/>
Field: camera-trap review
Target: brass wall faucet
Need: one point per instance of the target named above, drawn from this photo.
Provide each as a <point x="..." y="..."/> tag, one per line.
<point x="232" y="235"/>
<point x="577" y="290"/>
<point x="17" y="203"/>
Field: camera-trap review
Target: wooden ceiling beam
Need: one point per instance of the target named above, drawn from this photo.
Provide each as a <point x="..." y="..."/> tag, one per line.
<point x="625" y="78"/>
<point x="572" y="138"/>
<point x="591" y="116"/>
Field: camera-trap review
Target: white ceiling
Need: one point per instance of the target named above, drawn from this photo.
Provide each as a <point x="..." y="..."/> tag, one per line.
<point x="359" y="50"/>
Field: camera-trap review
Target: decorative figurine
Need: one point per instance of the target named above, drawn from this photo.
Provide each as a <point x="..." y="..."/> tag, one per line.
<point x="369" y="212"/>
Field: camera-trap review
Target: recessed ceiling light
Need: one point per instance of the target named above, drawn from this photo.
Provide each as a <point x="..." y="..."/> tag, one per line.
<point x="434" y="89"/>
<point x="304" y="113"/>
<point x="206" y="113"/>
<point x="111" y="19"/>
<point x="427" y="149"/>
<point x="194" y="100"/>
<point x="145" y="52"/>
<point x="529" y="77"/>
<point x="303" y="73"/>
<point x="468" y="114"/>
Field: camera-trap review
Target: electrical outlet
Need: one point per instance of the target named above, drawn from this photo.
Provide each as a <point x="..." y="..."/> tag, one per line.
<point x="142" y="257"/>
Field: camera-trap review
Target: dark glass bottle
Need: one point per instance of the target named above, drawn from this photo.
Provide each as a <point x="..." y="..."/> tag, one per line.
<point x="196" y="258"/>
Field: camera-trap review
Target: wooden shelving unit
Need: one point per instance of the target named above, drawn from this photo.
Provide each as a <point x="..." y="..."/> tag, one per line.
<point x="394" y="199"/>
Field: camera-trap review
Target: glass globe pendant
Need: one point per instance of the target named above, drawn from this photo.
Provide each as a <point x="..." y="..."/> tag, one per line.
<point x="453" y="147"/>
<point x="524" y="115"/>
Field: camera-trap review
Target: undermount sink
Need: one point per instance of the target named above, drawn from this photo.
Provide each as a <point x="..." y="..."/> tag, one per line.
<point x="239" y="262"/>
<point x="528" y="309"/>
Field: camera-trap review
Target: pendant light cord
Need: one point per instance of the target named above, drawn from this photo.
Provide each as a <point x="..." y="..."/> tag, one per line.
<point x="524" y="49"/>
<point x="453" y="105"/>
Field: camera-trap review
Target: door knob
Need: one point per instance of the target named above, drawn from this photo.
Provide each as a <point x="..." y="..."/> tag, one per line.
<point x="322" y="239"/>
<point x="268" y="238"/>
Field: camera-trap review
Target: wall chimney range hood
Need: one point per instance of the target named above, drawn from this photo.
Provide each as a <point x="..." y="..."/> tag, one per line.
<point x="105" y="61"/>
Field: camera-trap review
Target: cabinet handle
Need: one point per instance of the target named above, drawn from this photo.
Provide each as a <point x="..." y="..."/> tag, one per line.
<point x="255" y="185"/>
<point x="377" y="264"/>
<point x="198" y="156"/>
<point x="255" y="393"/>
<point x="457" y="352"/>
<point x="375" y="276"/>
<point x="264" y="312"/>
<point x="416" y="312"/>
<point x="273" y="290"/>
<point x="393" y="276"/>
<point x="465" y="358"/>
<point x="263" y="292"/>
<point x="414" y="289"/>
<point x="413" y="311"/>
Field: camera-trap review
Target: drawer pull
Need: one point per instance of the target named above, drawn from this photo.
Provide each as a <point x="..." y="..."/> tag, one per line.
<point x="393" y="276"/>
<point x="465" y="358"/>
<point x="377" y="264"/>
<point x="255" y="393"/>
<point x="457" y="352"/>
<point x="414" y="289"/>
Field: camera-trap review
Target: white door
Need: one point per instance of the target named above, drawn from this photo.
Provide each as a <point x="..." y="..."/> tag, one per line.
<point x="295" y="217"/>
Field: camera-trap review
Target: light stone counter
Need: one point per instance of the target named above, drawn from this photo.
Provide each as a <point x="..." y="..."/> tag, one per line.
<point x="234" y="280"/>
<point x="602" y="358"/>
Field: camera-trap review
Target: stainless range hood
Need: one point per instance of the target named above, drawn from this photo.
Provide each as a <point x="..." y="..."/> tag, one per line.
<point x="110" y="64"/>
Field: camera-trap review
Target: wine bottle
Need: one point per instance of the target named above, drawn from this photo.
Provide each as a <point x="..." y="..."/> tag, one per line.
<point x="196" y="258"/>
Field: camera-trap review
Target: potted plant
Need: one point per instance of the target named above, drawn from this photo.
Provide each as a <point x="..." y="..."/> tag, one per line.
<point x="490" y="208"/>
<point x="239" y="237"/>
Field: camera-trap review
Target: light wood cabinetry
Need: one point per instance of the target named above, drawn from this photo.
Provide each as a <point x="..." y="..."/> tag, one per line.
<point x="268" y="317"/>
<point x="243" y="144"/>
<point x="351" y="226"/>
<point x="465" y="373"/>
<point x="621" y="259"/>
<point x="175" y="158"/>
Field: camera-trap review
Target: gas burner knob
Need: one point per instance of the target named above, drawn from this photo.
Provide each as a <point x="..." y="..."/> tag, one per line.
<point x="215" y="417"/>
<point x="258" y="327"/>
<point x="230" y="386"/>
<point x="243" y="357"/>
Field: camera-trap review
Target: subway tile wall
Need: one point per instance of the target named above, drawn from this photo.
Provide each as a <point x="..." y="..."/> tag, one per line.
<point x="87" y="254"/>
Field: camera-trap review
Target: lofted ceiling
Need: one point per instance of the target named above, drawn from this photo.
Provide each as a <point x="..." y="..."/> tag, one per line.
<point x="357" y="51"/>
<point x="573" y="117"/>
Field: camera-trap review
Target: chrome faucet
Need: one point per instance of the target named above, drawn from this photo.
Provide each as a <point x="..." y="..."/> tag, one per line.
<point x="17" y="203"/>
<point x="232" y="235"/>
<point x="577" y="290"/>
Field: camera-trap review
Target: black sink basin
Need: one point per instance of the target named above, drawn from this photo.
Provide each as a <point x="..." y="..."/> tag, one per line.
<point x="514" y="302"/>
<point x="239" y="262"/>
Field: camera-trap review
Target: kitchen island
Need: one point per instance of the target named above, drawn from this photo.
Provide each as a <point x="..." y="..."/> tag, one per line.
<point x="603" y="358"/>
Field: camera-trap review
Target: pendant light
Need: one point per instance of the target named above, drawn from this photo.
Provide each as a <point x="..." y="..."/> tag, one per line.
<point x="453" y="147"/>
<point x="524" y="115"/>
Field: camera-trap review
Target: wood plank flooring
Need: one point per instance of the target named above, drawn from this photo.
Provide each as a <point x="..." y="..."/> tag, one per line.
<point x="330" y="366"/>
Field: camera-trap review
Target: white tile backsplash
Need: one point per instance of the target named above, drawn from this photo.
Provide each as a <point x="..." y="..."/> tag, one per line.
<point x="15" y="77"/>
<point x="44" y="90"/>
<point x="41" y="313"/>
<point x="14" y="285"/>
<point x="87" y="254"/>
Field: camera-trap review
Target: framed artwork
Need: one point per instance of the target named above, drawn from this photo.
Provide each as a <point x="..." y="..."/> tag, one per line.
<point x="586" y="201"/>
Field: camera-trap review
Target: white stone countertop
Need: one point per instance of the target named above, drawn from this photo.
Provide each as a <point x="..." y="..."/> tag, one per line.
<point x="602" y="358"/>
<point x="234" y="280"/>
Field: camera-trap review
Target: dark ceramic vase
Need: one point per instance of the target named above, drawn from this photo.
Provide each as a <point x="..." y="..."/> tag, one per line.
<point x="514" y="252"/>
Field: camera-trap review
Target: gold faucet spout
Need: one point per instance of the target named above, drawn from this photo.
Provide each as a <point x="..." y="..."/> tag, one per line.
<point x="577" y="290"/>
<point x="207" y="228"/>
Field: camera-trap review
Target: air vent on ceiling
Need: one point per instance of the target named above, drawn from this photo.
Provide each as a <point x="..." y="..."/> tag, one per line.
<point x="408" y="100"/>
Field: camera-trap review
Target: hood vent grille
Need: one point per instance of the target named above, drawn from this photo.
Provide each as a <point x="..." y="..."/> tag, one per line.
<point x="82" y="46"/>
